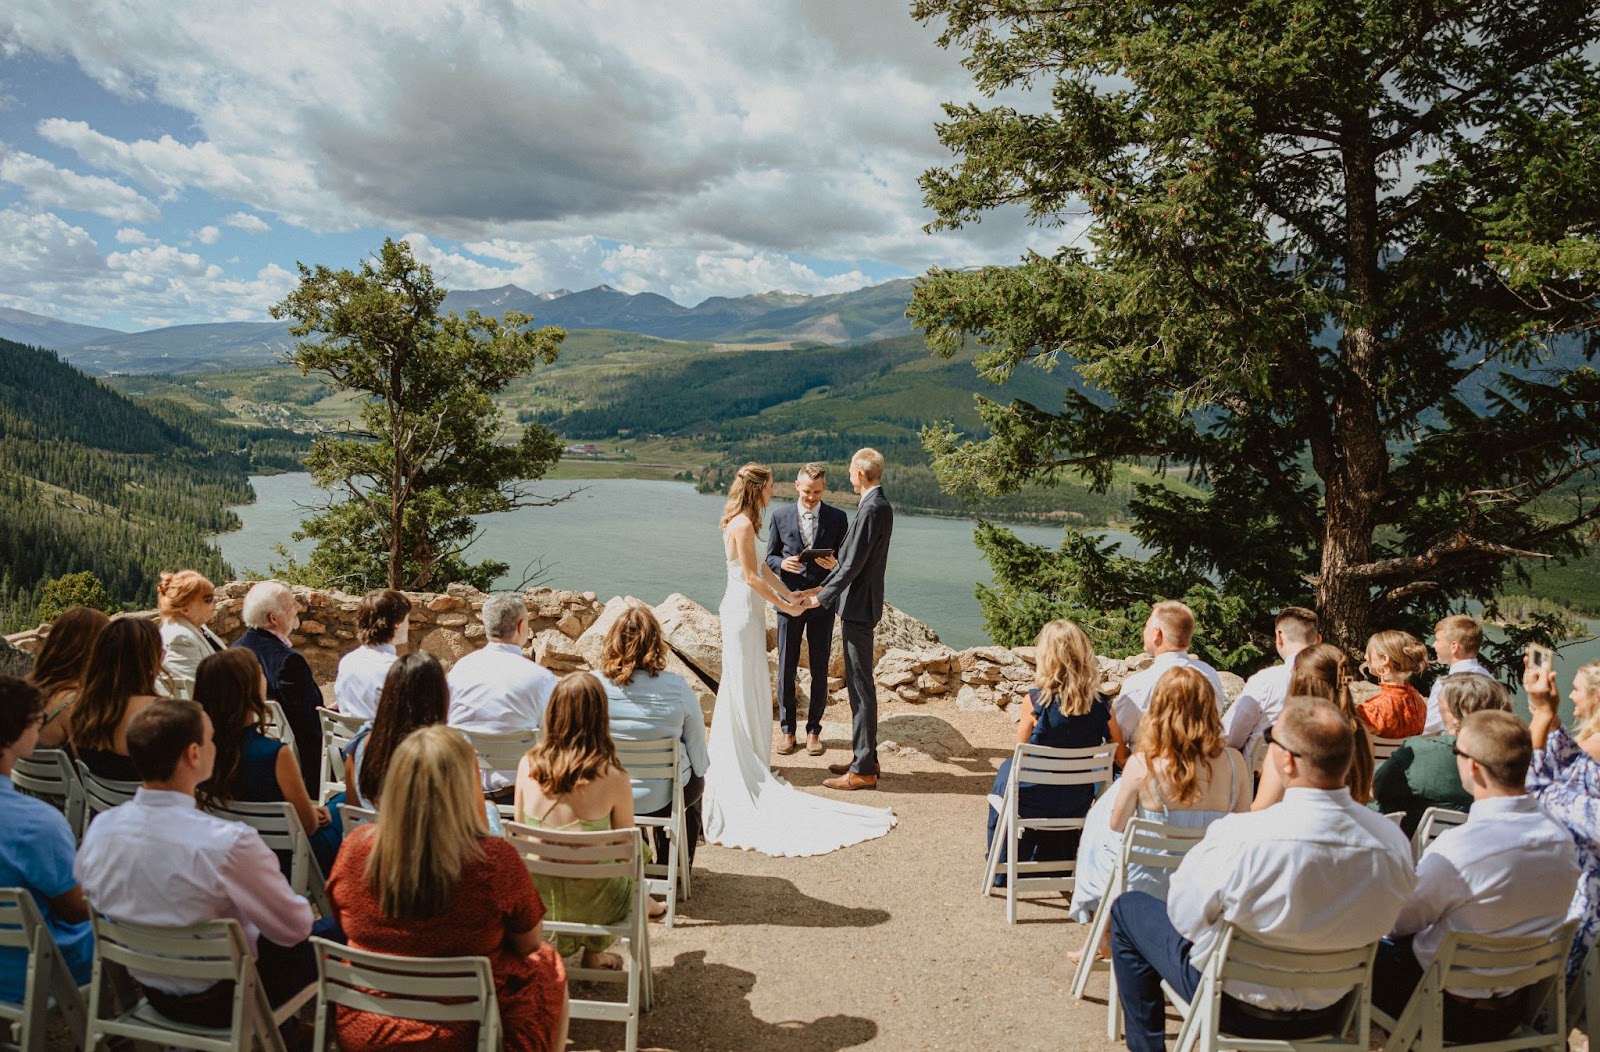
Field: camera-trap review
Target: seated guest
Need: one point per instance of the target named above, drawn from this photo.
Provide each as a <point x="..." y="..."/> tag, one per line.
<point x="1456" y="641"/>
<point x="1422" y="773"/>
<point x="59" y="668"/>
<point x="1065" y="711"/>
<point x="648" y="707"/>
<point x="427" y="880"/>
<point x="186" y="602"/>
<point x="1398" y="710"/>
<point x="572" y="781"/>
<point x="497" y="690"/>
<point x="1257" y="704"/>
<point x="1316" y="872"/>
<point x="381" y="629"/>
<point x="415" y="695"/>
<point x="160" y="860"/>
<point x="1508" y="871"/>
<point x="249" y="765"/>
<point x="119" y="682"/>
<point x="36" y="848"/>
<point x="1564" y="777"/>
<point x="1324" y="671"/>
<point x="1183" y="775"/>
<point x="1167" y="635"/>
<point x="272" y="613"/>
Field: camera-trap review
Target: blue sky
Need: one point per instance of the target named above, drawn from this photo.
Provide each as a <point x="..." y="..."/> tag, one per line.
<point x="169" y="162"/>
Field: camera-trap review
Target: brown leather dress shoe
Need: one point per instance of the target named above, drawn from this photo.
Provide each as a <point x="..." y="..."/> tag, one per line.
<point x="814" y="745"/>
<point x="786" y="745"/>
<point x="850" y="782"/>
<point x="839" y="768"/>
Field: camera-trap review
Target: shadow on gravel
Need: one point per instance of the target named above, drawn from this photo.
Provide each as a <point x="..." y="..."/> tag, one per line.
<point x="727" y="899"/>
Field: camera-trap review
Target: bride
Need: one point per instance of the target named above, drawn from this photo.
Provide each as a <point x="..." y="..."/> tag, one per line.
<point x="746" y="804"/>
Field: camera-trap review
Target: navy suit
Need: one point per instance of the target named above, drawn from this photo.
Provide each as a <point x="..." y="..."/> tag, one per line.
<point x="815" y="624"/>
<point x="855" y="588"/>
<point x="291" y="684"/>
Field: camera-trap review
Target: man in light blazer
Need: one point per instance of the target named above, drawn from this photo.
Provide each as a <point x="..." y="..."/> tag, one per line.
<point x="806" y="524"/>
<point x="855" y="590"/>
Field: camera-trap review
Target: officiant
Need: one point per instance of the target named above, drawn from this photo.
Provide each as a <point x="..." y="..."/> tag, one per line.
<point x="804" y="540"/>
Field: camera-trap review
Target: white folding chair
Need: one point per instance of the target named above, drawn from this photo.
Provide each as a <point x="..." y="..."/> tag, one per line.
<point x="1040" y="765"/>
<point x="101" y="794"/>
<point x="278" y="729"/>
<point x="501" y="752"/>
<point x="652" y="761"/>
<point x="1258" y="755"/>
<point x="48" y="775"/>
<point x="280" y="829"/>
<point x="1383" y="748"/>
<point x="1535" y="964"/>
<point x="1435" y="820"/>
<point x="214" y="950"/>
<point x="352" y="817"/>
<point x="1239" y="958"/>
<point x="47" y="980"/>
<point x="432" y="989"/>
<point x="600" y="855"/>
<point x="1147" y="843"/>
<point x="337" y="731"/>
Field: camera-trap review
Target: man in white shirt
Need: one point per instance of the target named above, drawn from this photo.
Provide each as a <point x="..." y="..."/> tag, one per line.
<point x="1456" y="642"/>
<point x="497" y="690"/>
<point x="1258" y="703"/>
<point x="1167" y="635"/>
<point x="382" y="628"/>
<point x="1508" y="871"/>
<point x="1315" y="872"/>
<point x="159" y="860"/>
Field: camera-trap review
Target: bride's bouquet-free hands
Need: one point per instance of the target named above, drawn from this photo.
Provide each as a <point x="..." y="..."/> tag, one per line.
<point x="799" y="602"/>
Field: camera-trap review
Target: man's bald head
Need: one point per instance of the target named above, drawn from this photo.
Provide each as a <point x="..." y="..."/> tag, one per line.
<point x="1320" y="737"/>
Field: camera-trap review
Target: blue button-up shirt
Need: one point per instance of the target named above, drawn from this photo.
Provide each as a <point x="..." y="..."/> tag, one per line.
<point x="36" y="852"/>
<point x="651" y="708"/>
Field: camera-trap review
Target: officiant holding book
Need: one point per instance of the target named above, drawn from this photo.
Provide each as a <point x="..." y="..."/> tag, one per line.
<point x="804" y="541"/>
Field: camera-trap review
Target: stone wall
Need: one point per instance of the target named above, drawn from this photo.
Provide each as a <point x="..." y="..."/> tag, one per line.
<point x="912" y="665"/>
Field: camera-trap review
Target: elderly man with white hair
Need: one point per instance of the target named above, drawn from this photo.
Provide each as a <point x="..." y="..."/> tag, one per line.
<point x="497" y="689"/>
<point x="270" y="613"/>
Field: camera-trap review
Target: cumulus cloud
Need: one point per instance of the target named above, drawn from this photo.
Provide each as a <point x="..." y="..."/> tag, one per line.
<point x="250" y="224"/>
<point x="48" y="186"/>
<point x="208" y="235"/>
<point x="132" y="236"/>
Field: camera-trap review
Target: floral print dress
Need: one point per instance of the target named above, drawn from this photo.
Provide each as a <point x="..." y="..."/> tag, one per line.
<point x="1566" y="781"/>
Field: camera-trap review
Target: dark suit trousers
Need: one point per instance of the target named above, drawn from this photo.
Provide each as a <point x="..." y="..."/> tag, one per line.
<point x="816" y="625"/>
<point x="863" y="694"/>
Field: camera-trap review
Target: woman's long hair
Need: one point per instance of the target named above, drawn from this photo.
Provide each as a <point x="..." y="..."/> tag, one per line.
<point x="123" y="664"/>
<point x="1064" y="670"/>
<point x="414" y="695"/>
<point x="1589" y="675"/>
<point x="228" y="686"/>
<point x="633" y="643"/>
<point x="1325" y="671"/>
<point x="430" y="824"/>
<point x="747" y="495"/>
<point x="64" y="657"/>
<point x="1183" y="728"/>
<point x="576" y="746"/>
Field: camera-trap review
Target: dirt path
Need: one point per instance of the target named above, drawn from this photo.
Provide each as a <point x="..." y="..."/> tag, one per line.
<point x="884" y="945"/>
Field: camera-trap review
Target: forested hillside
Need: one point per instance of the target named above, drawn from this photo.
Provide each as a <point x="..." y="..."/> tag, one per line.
<point x="93" y="481"/>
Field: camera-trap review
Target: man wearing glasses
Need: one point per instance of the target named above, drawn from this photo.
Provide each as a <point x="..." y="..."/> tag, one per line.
<point x="1315" y="872"/>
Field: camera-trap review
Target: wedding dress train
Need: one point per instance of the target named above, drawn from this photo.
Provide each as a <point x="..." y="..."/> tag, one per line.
<point x="746" y="804"/>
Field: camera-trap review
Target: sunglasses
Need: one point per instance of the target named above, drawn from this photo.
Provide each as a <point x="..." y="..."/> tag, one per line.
<point x="1267" y="735"/>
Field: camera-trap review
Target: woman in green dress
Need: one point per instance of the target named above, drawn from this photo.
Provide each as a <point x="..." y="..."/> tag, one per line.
<point x="572" y="781"/>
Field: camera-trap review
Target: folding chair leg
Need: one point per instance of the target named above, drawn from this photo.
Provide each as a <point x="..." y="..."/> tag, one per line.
<point x="1091" y="947"/>
<point x="1013" y="845"/>
<point x="992" y="861"/>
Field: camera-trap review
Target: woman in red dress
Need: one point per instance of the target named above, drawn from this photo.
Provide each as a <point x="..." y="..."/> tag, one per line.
<point x="427" y="880"/>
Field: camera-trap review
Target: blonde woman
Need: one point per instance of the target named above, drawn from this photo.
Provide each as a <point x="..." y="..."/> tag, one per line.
<point x="427" y="880"/>
<point x="1064" y="711"/>
<point x="186" y="602"/>
<point x="1398" y="710"/>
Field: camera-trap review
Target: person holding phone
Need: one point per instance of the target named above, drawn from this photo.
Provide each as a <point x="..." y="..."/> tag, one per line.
<point x="805" y="536"/>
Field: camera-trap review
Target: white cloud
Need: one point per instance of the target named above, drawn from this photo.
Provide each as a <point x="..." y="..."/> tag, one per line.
<point x="132" y="236"/>
<point x="48" y="186"/>
<point x="208" y="235"/>
<point x="250" y="224"/>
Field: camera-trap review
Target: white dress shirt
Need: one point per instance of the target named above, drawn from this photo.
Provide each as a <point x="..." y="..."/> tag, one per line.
<point x="498" y="690"/>
<point x="160" y="860"/>
<point x="1508" y="870"/>
<point x="1256" y="706"/>
<point x="1137" y="688"/>
<point x="360" y="679"/>
<point x="1435" y="722"/>
<point x="1315" y="872"/>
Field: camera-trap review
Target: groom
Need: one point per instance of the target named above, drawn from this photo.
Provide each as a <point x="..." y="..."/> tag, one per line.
<point x="855" y="590"/>
<point x="806" y="524"/>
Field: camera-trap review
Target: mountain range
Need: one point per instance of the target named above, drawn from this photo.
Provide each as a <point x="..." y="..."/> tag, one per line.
<point x="863" y="315"/>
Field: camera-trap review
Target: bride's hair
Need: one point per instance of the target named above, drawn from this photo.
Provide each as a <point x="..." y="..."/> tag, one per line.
<point x="747" y="495"/>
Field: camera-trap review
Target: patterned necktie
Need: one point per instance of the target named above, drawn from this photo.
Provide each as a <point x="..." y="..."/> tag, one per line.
<point x="808" y="527"/>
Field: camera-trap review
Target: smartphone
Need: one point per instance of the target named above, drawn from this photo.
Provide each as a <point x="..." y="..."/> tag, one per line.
<point x="1540" y="657"/>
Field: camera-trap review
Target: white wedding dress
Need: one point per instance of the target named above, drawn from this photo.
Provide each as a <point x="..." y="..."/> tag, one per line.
<point x="746" y="805"/>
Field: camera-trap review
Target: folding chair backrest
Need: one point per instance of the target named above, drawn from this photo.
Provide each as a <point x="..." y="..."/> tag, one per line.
<point x="501" y="752"/>
<point x="1383" y="748"/>
<point x="432" y="989"/>
<point x="1156" y="845"/>
<point x="337" y="732"/>
<point x="1435" y="820"/>
<point x="277" y="723"/>
<point x="22" y="928"/>
<point x="212" y="950"/>
<point x="48" y="775"/>
<point x="353" y="817"/>
<point x="281" y="831"/>
<point x="101" y="794"/>
<point x="1473" y="961"/>
<point x="1245" y="960"/>
<point x="1258" y="754"/>
<point x="596" y="855"/>
<point x="649" y="760"/>
<point x="1043" y="765"/>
